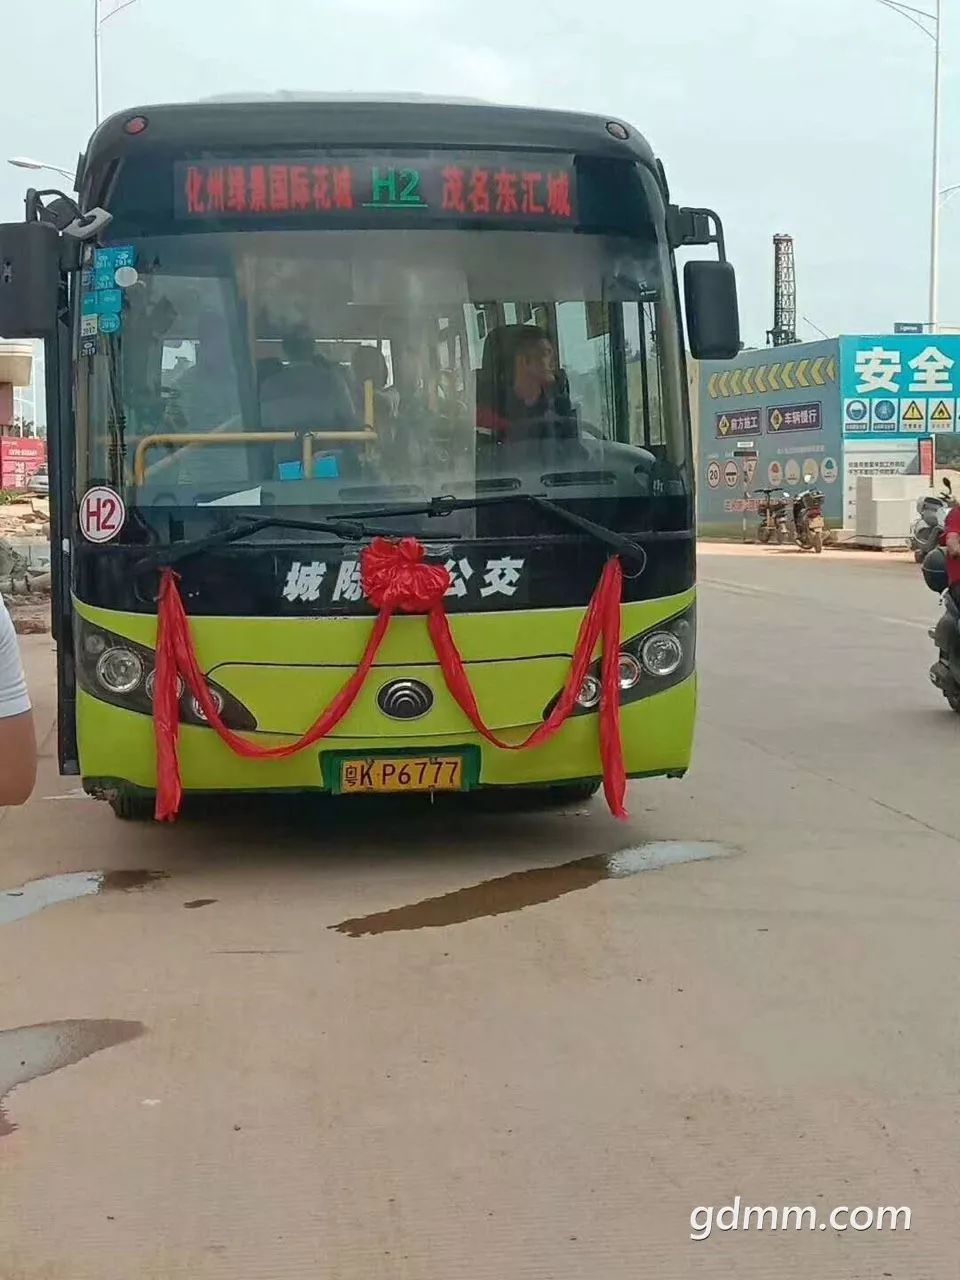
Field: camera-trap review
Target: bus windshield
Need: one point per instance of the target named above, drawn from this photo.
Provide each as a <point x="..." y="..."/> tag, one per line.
<point x="337" y="368"/>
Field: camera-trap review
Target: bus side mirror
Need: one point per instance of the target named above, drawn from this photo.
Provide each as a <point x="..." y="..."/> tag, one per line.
<point x="29" y="279"/>
<point x="713" y="318"/>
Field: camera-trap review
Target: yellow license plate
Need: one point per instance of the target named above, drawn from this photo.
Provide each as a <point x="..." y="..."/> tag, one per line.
<point x="402" y="773"/>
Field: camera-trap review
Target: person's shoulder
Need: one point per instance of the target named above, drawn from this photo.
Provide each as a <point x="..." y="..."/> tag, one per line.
<point x="952" y="522"/>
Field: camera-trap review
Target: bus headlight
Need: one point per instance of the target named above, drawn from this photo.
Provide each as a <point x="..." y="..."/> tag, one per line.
<point x="217" y="699"/>
<point x="151" y="684"/>
<point x="122" y="672"/>
<point x="119" y="670"/>
<point x="661" y="654"/>
<point x="589" y="694"/>
<point x="629" y="671"/>
<point x="647" y="664"/>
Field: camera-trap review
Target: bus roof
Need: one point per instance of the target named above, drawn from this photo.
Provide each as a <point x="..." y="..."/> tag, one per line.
<point x="313" y="121"/>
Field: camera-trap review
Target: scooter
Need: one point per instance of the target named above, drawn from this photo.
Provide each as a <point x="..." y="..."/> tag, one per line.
<point x="808" y="520"/>
<point x="772" y="515"/>
<point x="945" y="672"/>
<point x="925" y="532"/>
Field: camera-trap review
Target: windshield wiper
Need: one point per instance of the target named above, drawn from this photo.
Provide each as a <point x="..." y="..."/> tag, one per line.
<point x="354" y="525"/>
<point x="444" y="505"/>
<point x="348" y="529"/>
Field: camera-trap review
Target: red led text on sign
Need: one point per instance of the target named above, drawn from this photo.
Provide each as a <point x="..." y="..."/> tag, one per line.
<point x="275" y="188"/>
<point x="482" y="187"/>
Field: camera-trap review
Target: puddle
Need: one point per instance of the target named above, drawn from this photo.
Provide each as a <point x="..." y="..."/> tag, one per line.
<point x="528" y="888"/>
<point x="36" y="895"/>
<point x="26" y="1053"/>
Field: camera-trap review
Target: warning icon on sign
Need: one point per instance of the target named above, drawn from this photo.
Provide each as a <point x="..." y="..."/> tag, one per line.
<point x="913" y="415"/>
<point x="941" y="417"/>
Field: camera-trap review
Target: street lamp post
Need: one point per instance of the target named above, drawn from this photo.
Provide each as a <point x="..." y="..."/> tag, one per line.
<point x="920" y="19"/>
<point x="25" y="162"/>
<point x="99" y="18"/>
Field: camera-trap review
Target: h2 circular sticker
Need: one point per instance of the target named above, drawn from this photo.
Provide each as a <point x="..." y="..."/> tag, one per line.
<point x="102" y="514"/>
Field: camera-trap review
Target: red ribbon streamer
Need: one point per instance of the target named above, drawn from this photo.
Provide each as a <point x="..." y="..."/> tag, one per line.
<point x="395" y="577"/>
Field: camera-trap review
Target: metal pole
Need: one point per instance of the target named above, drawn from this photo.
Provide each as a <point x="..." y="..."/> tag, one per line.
<point x="96" y="59"/>
<point x="935" y="192"/>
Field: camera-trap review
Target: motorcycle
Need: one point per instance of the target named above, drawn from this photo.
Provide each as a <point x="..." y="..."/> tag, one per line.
<point x="925" y="531"/>
<point x="772" y="515"/>
<point x="945" y="672"/>
<point x="808" y="520"/>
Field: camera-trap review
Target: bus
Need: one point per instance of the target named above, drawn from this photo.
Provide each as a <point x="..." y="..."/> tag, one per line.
<point x="283" y="333"/>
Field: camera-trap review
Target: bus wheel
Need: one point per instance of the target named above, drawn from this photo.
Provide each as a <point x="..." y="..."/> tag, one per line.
<point x="570" y="792"/>
<point x="132" y="806"/>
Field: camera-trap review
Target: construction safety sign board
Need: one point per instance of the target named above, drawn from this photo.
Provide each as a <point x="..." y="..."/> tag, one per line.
<point x="910" y="383"/>
<point x="794" y="417"/>
<point x="776" y="375"/>
<point x="745" y="422"/>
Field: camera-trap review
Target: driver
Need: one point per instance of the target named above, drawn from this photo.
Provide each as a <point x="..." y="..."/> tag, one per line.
<point x="526" y="396"/>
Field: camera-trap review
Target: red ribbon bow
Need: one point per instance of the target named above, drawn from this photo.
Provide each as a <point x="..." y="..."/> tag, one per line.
<point x="396" y="576"/>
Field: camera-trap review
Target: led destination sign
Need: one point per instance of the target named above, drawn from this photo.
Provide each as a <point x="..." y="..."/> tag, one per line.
<point x="500" y="188"/>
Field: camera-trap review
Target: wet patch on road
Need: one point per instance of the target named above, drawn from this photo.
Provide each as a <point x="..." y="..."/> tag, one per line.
<point x="36" y="895"/>
<point x="26" y="1053"/>
<point x="199" y="902"/>
<point x="529" y="888"/>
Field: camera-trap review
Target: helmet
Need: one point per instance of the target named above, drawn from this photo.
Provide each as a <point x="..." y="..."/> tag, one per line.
<point x="934" y="570"/>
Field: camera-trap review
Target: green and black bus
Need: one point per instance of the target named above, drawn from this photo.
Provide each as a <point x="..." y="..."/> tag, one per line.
<point x="455" y="321"/>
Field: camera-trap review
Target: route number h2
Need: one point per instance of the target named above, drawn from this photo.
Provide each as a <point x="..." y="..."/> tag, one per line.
<point x="102" y="514"/>
<point x="396" y="187"/>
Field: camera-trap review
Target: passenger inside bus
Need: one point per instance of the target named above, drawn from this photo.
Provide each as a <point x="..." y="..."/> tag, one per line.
<point x="367" y="364"/>
<point x="308" y="393"/>
<point x="207" y="394"/>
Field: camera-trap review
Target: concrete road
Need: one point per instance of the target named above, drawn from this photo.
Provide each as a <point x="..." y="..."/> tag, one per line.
<point x="541" y="1093"/>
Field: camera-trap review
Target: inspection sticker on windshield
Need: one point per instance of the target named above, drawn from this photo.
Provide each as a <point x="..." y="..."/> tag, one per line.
<point x="102" y="514"/>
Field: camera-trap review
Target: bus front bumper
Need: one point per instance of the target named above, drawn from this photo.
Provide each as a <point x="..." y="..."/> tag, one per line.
<point x="117" y="751"/>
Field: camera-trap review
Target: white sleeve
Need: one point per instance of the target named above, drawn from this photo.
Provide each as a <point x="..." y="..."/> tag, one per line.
<point x="14" y="699"/>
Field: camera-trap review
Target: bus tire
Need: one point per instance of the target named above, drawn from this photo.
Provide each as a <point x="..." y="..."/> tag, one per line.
<point x="571" y="792"/>
<point x="131" y="806"/>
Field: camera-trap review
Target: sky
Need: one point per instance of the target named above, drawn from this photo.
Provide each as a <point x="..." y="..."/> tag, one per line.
<point x="812" y="117"/>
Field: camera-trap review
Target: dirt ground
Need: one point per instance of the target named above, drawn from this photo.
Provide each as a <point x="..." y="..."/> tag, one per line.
<point x="428" y="1043"/>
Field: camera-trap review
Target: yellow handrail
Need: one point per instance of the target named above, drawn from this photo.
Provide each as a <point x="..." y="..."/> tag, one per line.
<point x="176" y="439"/>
